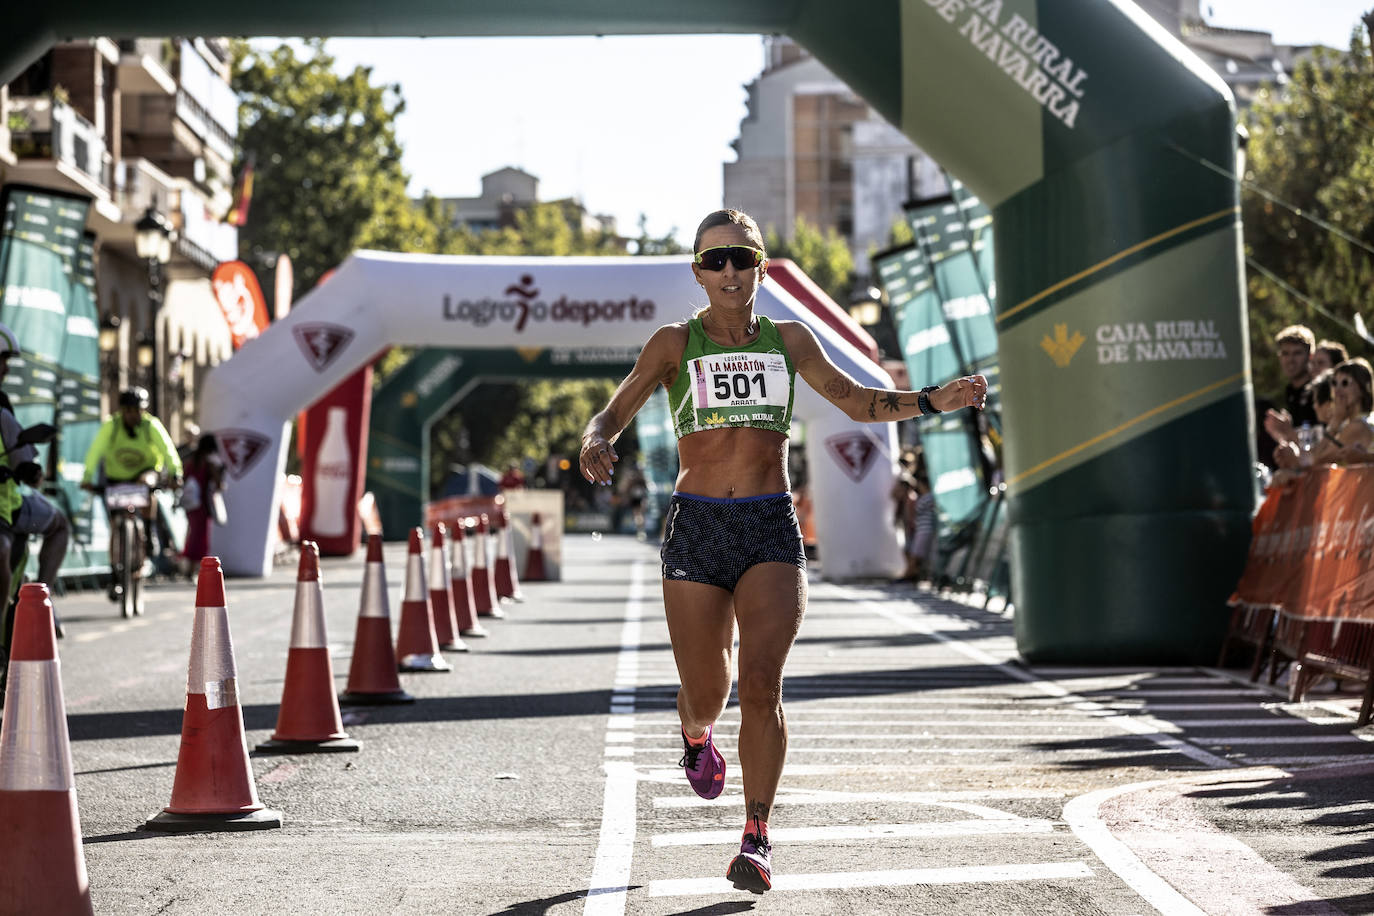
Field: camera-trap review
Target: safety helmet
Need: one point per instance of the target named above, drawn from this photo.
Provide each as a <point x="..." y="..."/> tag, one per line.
<point x="9" y="343"/>
<point x="134" y="397"/>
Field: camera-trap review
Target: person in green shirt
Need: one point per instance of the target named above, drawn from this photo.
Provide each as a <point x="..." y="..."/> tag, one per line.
<point x="130" y="443"/>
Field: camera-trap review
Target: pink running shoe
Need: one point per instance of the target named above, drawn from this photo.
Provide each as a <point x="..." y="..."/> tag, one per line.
<point x="752" y="869"/>
<point x="704" y="765"/>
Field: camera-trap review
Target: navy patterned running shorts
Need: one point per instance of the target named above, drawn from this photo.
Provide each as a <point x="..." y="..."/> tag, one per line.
<point x="716" y="541"/>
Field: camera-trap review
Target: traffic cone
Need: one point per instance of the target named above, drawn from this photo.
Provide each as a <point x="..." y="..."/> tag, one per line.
<point x="213" y="788"/>
<point x="372" y="679"/>
<point x="44" y="867"/>
<point x="308" y="720"/>
<point x="506" y="580"/>
<point x="483" y="589"/>
<point x="417" y="648"/>
<point x="534" y="560"/>
<point x="441" y="593"/>
<point x="463" y="602"/>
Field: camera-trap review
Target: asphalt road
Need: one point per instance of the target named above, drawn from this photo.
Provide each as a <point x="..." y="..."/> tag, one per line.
<point x="928" y="771"/>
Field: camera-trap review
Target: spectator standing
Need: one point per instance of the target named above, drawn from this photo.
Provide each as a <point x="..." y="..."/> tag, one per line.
<point x="1295" y="344"/>
<point x="204" y="477"/>
<point x="513" y="479"/>
<point x="1328" y="355"/>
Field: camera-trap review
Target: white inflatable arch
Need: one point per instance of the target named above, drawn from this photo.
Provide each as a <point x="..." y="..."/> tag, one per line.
<point x="375" y="300"/>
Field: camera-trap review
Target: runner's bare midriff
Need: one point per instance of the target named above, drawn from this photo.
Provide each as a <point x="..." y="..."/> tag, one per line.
<point x="732" y="463"/>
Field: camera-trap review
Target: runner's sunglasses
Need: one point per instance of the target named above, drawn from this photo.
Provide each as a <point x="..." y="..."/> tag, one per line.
<point x="742" y="256"/>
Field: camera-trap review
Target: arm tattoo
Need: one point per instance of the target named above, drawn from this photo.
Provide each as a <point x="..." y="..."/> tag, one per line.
<point x="839" y="387"/>
<point x="872" y="402"/>
<point x="892" y="401"/>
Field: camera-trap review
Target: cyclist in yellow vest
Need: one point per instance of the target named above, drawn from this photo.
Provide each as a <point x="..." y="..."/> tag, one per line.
<point x="130" y="443"/>
<point x="23" y="514"/>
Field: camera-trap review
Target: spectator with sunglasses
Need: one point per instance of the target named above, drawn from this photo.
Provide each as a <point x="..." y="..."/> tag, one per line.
<point x="1349" y="434"/>
<point x="732" y="554"/>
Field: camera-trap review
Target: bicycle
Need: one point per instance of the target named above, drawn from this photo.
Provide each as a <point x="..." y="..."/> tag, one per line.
<point x="126" y="504"/>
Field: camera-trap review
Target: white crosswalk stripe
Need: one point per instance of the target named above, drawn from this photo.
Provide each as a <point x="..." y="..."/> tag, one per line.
<point x="929" y="697"/>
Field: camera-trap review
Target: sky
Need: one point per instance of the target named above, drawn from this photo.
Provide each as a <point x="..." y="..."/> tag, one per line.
<point x="636" y="125"/>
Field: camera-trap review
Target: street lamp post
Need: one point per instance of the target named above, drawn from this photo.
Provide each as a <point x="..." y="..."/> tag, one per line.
<point x="108" y="342"/>
<point x="153" y="244"/>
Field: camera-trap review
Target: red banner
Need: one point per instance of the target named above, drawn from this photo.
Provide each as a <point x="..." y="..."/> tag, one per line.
<point x="240" y="298"/>
<point x="334" y="465"/>
<point x="1311" y="546"/>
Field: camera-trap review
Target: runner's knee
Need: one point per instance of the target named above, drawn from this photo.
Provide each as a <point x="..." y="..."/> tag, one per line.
<point x="760" y="688"/>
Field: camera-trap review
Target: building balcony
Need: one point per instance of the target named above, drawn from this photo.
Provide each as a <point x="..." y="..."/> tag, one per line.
<point x="57" y="148"/>
<point x="145" y="67"/>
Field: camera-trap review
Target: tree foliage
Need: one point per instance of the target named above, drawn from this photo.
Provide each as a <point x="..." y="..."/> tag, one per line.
<point x="328" y="180"/>
<point x="327" y="164"/>
<point x="1311" y="148"/>
<point x="822" y="255"/>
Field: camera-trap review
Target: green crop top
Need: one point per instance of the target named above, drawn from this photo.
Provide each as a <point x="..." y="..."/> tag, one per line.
<point x="719" y="387"/>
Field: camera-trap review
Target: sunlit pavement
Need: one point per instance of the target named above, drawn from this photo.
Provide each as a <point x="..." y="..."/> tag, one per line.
<point x="927" y="770"/>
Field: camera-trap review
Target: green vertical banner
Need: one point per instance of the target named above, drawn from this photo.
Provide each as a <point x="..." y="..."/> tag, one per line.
<point x="47" y="296"/>
<point x="930" y="356"/>
<point x="78" y="416"/>
<point x="953" y="253"/>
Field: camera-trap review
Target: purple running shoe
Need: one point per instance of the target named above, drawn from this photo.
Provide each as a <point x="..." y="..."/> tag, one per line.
<point x="704" y="765"/>
<point x="752" y="869"/>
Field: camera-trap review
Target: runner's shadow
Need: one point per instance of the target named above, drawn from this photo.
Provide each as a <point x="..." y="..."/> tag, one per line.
<point x="544" y="904"/>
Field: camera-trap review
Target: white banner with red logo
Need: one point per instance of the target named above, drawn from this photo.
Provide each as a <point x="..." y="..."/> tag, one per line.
<point x="377" y="300"/>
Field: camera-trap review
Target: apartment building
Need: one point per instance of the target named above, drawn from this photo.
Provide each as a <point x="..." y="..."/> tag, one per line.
<point x="143" y="131"/>
<point x="508" y="191"/>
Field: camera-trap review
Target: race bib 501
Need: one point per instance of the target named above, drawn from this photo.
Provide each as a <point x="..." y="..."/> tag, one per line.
<point x="734" y="388"/>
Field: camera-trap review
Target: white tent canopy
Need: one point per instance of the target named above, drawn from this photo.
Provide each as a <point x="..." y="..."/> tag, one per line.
<point x="375" y="300"/>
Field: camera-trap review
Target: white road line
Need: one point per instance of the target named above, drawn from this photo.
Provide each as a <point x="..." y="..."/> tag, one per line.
<point x="1081" y="815"/>
<point x="833" y="798"/>
<point x="1142" y="726"/>
<point x="615" y="849"/>
<point x="1148" y="694"/>
<point x="930" y="829"/>
<point x="1288" y="762"/>
<point x="1191" y="707"/>
<point x="1017" y="750"/>
<point x="797" y="724"/>
<point x="918" y="737"/>
<point x="972" y="874"/>
<point x="1284" y="740"/>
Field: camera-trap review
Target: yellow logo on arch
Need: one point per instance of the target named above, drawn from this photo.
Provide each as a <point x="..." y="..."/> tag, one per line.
<point x="1062" y="347"/>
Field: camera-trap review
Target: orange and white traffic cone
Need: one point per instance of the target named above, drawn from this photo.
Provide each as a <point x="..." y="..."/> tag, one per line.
<point x="417" y="647"/>
<point x="40" y="833"/>
<point x="483" y="589"/>
<point x="213" y="788"/>
<point x="506" y="580"/>
<point x="308" y="721"/>
<point x="534" y="559"/>
<point x="464" y="612"/>
<point x="441" y="593"/>
<point x="372" y="679"/>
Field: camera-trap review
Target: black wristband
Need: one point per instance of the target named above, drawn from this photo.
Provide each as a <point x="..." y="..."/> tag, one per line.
<point x="923" y="400"/>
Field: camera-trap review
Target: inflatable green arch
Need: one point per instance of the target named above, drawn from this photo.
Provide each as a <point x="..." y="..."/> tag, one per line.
<point x="1089" y="131"/>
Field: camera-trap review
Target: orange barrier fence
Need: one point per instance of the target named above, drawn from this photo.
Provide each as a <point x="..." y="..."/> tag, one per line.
<point x="1307" y="593"/>
<point x="1310" y="553"/>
